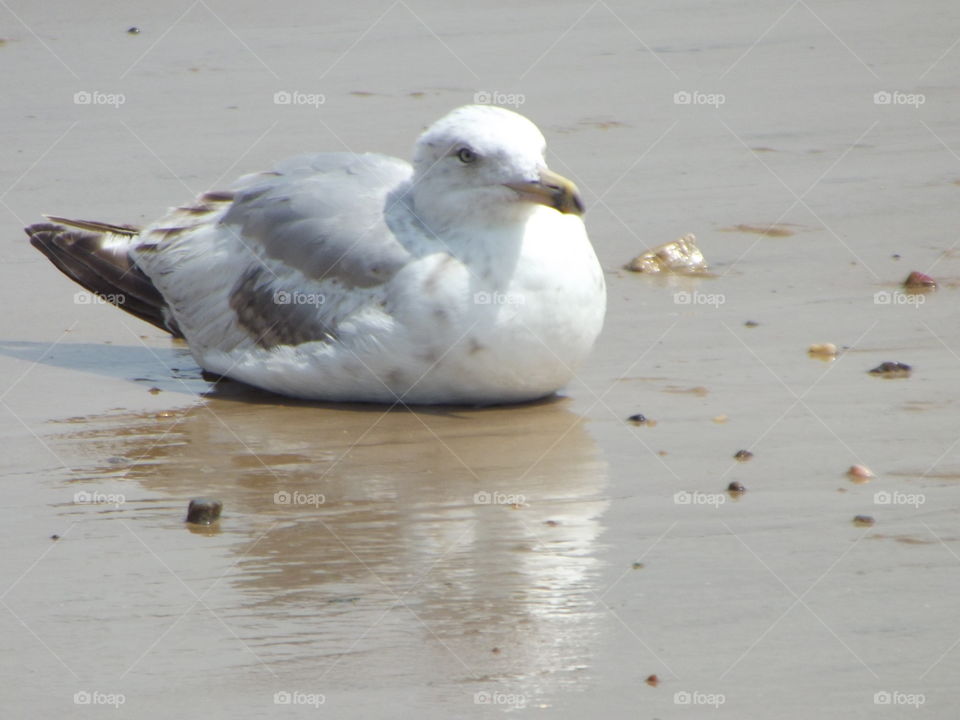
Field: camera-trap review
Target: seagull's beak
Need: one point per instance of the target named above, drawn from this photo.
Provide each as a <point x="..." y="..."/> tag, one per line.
<point x="552" y="190"/>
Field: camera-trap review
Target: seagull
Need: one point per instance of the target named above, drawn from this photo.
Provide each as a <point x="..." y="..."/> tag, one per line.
<point x="465" y="278"/>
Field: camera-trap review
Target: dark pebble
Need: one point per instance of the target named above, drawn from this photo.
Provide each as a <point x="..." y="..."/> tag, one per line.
<point x="639" y="419"/>
<point x="204" y="511"/>
<point x="743" y="455"/>
<point x="751" y="323"/>
<point x="133" y="30"/>
<point x="736" y="487"/>
<point x="892" y="369"/>
<point x="54" y="537"/>
<point x="864" y="521"/>
<point x="652" y="680"/>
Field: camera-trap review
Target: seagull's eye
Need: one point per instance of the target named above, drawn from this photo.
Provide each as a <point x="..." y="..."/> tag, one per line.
<point x="466" y="155"/>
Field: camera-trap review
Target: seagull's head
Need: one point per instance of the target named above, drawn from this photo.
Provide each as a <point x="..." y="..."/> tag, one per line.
<point x="486" y="162"/>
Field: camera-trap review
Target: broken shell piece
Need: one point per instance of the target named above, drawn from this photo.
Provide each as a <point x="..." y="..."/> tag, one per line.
<point x="826" y="349"/>
<point x="892" y="370"/>
<point x="919" y="282"/>
<point x="204" y="511"/>
<point x="681" y="256"/>
<point x="860" y="473"/>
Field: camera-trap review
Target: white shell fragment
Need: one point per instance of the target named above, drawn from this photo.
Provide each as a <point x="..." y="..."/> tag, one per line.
<point x="680" y="256"/>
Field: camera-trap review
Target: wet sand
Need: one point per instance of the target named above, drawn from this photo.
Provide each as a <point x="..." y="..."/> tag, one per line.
<point x="456" y="562"/>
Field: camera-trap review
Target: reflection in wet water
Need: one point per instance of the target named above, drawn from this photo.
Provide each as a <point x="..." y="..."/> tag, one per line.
<point x="420" y="546"/>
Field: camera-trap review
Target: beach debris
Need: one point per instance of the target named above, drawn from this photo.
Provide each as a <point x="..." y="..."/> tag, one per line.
<point x="823" y="349"/>
<point x="891" y="369"/>
<point x="864" y="521"/>
<point x="204" y="511"/>
<point x="860" y="473"/>
<point x="682" y="256"/>
<point x="742" y="455"/>
<point x="919" y="282"/>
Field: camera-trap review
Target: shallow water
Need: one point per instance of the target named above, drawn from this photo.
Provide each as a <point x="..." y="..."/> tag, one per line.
<point x="465" y="562"/>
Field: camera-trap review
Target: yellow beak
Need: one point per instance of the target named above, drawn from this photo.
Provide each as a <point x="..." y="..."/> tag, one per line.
<point x="552" y="190"/>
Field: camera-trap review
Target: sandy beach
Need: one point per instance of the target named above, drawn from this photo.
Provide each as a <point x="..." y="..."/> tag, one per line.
<point x="549" y="559"/>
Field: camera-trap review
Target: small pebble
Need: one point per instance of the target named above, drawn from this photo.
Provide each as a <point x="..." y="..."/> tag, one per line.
<point x="204" y="511"/>
<point x="742" y="455"/>
<point x="637" y="566"/>
<point x="639" y="419"/>
<point x="652" y="680"/>
<point x="896" y="256"/>
<point x="892" y="370"/>
<point x="551" y="523"/>
<point x="54" y="537"/>
<point x="828" y="349"/>
<point x="864" y="521"/>
<point x="736" y="488"/>
<point x="751" y="324"/>
<point x="919" y="282"/>
<point x="720" y="419"/>
<point x="860" y="473"/>
<point x="154" y="391"/>
<point x="133" y="30"/>
<point x="495" y="651"/>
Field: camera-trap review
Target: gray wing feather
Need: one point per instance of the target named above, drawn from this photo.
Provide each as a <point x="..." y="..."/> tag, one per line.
<point x="325" y="215"/>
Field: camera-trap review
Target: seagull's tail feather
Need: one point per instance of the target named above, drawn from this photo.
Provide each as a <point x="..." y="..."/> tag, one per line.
<point x="97" y="256"/>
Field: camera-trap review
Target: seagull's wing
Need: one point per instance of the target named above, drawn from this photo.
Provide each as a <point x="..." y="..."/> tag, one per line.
<point x="285" y="257"/>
